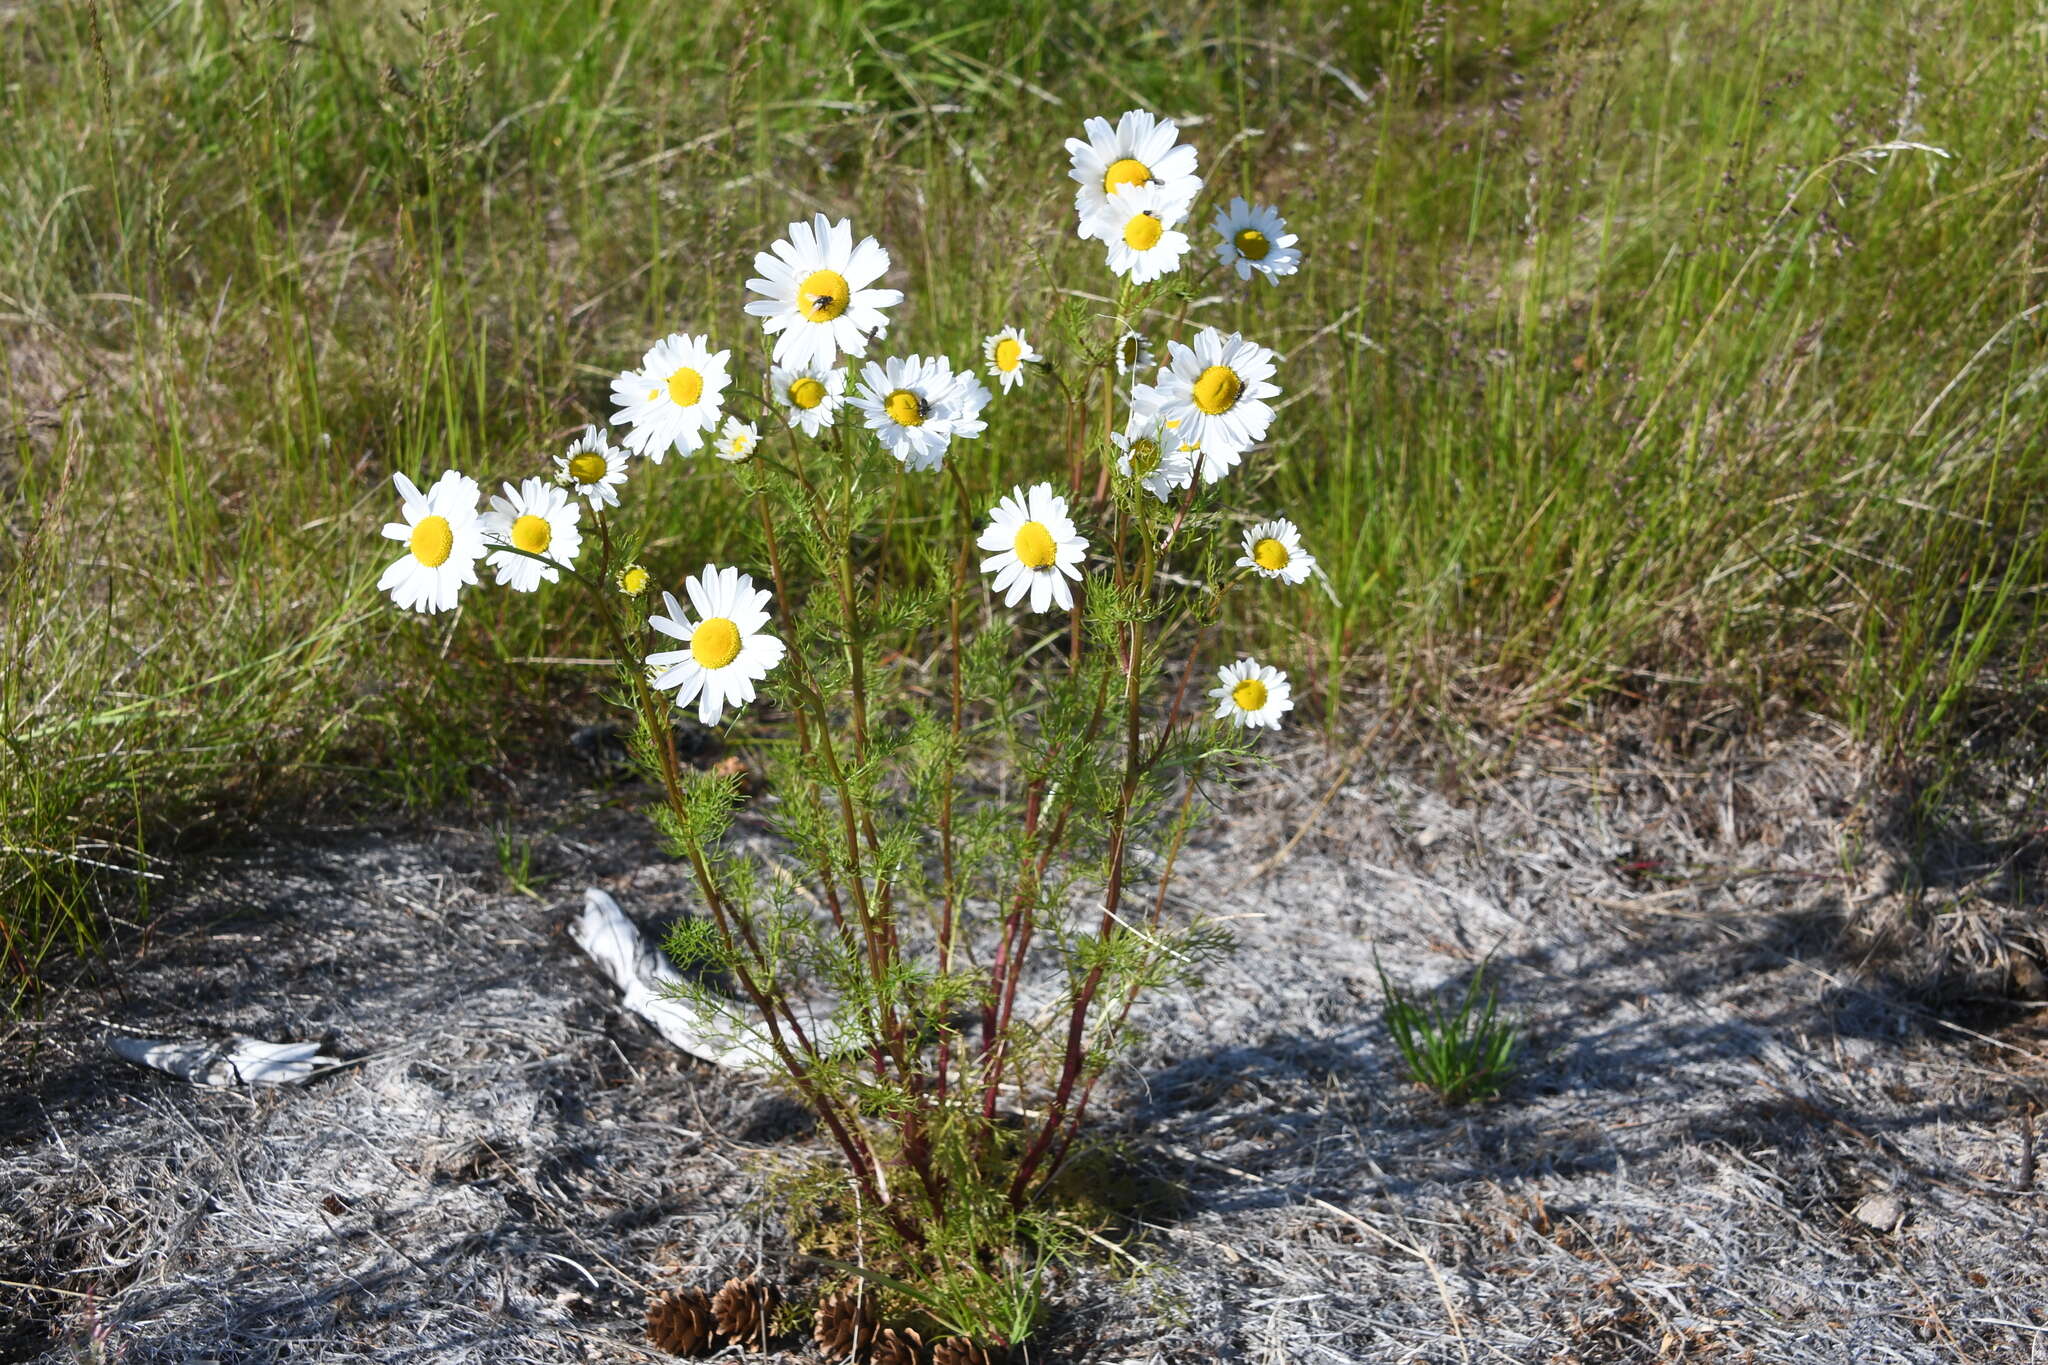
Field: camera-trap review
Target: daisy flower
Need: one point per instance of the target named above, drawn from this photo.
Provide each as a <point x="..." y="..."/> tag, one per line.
<point x="1143" y="149"/>
<point x="1216" y="391"/>
<point x="725" y="651"/>
<point x="1007" y="352"/>
<point x="1145" y="243"/>
<point x="916" y="406"/>
<point x="1133" y="352"/>
<point x="1147" y="456"/>
<point x="1252" y="694"/>
<point x="594" y="467"/>
<point x="736" y="440"/>
<point x="672" y="399"/>
<point x="442" y="543"/>
<point x="1272" y="549"/>
<point x="541" y="520"/>
<point x="1255" y="237"/>
<point x="969" y="397"/>
<point x="1034" y="543"/>
<point x="632" y="580"/>
<point x="814" y="292"/>
<point x="811" y="393"/>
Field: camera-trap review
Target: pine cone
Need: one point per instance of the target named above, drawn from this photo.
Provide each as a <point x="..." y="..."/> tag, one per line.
<point x="898" y="1346"/>
<point x="680" y="1322"/>
<point x="844" y="1327"/>
<point x="744" y="1310"/>
<point x="960" y="1351"/>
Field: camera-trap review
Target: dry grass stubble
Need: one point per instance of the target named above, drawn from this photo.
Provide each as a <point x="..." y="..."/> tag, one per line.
<point x="1733" y="1139"/>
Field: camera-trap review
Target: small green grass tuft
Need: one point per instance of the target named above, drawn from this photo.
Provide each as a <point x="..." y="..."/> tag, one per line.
<point x="1462" y="1051"/>
<point x="515" y="864"/>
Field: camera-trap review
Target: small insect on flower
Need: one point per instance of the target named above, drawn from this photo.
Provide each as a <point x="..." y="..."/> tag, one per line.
<point x="673" y="398"/>
<point x="1150" y="457"/>
<point x="916" y="406"/>
<point x="1146" y="243"/>
<point x="736" y="440"/>
<point x="815" y="295"/>
<point x="1252" y="695"/>
<point x="442" y="543"/>
<point x="1143" y="149"/>
<point x="811" y="395"/>
<point x="1255" y="237"/>
<point x="632" y="580"/>
<point x="1216" y="391"/>
<point x="594" y="467"/>
<point x="1272" y="549"/>
<point x="725" y="651"/>
<point x="537" y="519"/>
<point x="1034" y="544"/>
<point x="1007" y="353"/>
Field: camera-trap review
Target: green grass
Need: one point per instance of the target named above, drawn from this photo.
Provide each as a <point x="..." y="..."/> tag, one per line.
<point x="1458" y="1046"/>
<point x="1613" y="368"/>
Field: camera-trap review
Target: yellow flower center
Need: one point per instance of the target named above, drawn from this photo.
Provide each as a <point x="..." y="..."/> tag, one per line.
<point x="587" y="467"/>
<point x="715" y="643"/>
<point x="1270" y="555"/>
<point x="685" y="387"/>
<point x="1249" y="695"/>
<point x="1125" y="172"/>
<point x="823" y="295"/>
<point x="1143" y="232"/>
<point x="1009" y="354"/>
<point x="1034" y="546"/>
<point x="532" y="534"/>
<point x="1217" y="389"/>
<point x="433" y="540"/>
<point x="1252" y="244"/>
<point x="806" y="392"/>
<point x="1144" y="456"/>
<point x="906" y="408"/>
<point x="633" y="580"/>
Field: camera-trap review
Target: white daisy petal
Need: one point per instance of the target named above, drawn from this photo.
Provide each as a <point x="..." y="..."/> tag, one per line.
<point x="737" y="440"/>
<point x="1140" y="233"/>
<point x="818" y="304"/>
<point x="1036" y="547"/>
<point x="1139" y="151"/>
<point x="594" y="468"/>
<point x="1272" y="549"/>
<point x="1252" y="695"/>
<point x="917" y="406"/>
<point x="533" y="519"/>
<point x="727" y="651"/>
<point x="810" y="395"/>
<point x="1007" y="353"/>
<point x="673" y="398"/>
<point x="442" y="539"/>
<point x="1212" y="397"/>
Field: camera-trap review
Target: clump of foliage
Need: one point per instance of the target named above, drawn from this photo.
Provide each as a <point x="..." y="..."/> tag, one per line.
<point x="1457" y="1045"/>
<point x="977" y="772"/>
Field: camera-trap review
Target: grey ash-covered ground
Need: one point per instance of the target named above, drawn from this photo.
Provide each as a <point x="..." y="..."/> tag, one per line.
<point x="1773" y="1106"/>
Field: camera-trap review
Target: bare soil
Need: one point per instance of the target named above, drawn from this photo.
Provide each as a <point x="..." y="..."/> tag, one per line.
<point x="1774" y="1103"/>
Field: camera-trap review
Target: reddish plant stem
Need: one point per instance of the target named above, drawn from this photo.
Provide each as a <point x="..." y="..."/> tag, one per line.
<point x="1130" y="998"/>
<point x="859" y="1155"/>
<point x="991" y="1008"/>
<point x="948" y="892"/>
<point x="1077" y="1020"/>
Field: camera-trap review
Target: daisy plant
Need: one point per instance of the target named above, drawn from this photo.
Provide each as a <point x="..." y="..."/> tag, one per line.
<point x="973" y="777"/>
